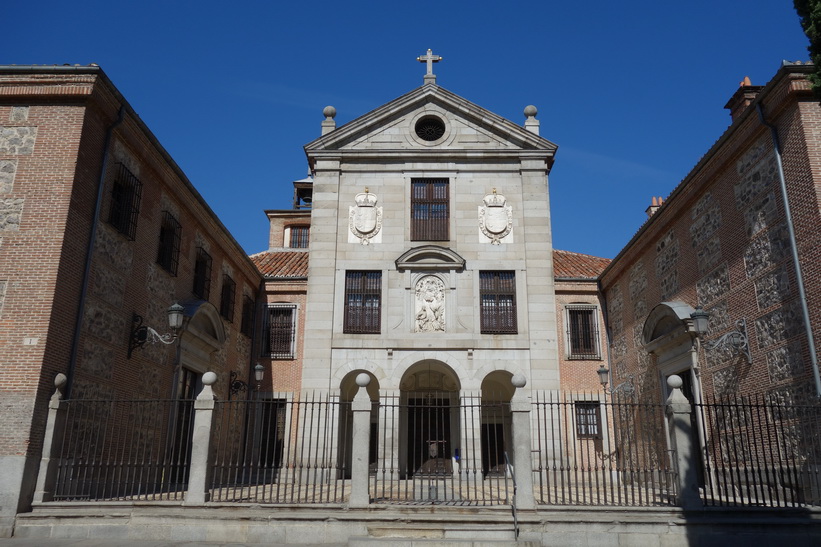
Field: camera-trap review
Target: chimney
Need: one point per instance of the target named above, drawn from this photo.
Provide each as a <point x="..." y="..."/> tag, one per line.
<point x="742" y="98"/>
<point x="654" y="206"/>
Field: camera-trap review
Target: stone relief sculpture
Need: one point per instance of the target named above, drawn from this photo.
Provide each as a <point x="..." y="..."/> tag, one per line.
<point x="430" y="305"/>
<point x="495" y="217"/>
<point x="365" y="218"/>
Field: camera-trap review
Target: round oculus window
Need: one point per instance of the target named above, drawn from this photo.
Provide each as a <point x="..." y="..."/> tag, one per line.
<point x="430" y="128"/>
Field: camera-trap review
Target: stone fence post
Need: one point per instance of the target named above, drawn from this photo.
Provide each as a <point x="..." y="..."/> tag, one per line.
<point x="681" y="442"/>
<point x="361" y="437"/>
<point x="55" y="427"/>
<point x="522" y="455"/>
<point x="200" y="470"/>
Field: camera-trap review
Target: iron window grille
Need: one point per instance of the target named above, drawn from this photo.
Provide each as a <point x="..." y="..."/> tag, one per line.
<point x="247" y="325"/>
<point x="497" y="294"/>
<point x="229" y="288"/>
<point x="202" y="274"/>
<point x="430" y="210"/>
<point x="125" y="202"/>
<point x="588" y="420"/>
<point x="582" y="332"/>
<point x="279" y="331"/>
<point x="168" y="250"/>
<point x="299" y="237"/>
<point x="363" y="302"/>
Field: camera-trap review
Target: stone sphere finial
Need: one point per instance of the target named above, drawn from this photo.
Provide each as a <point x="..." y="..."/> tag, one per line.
<point x="518" y="381"/>
<point x="60" y="381"/>
<point x="675" y="381"/>
<point x="329" y="112"/>
<point x="531" y="111"/>
<point x="363" y="379"/>
<point x="209" y="378"/>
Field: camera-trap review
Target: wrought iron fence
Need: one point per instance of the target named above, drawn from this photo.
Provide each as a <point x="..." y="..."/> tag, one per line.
<point x="283" y="449"/>
<point x="440" y="448"/>
<point x="592" y="452"/>
<point x="758" y="451"/>
<point x="124" y="450"/>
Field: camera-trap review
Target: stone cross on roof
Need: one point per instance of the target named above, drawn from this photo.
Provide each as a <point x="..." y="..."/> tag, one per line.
<point x="429" y="58"/>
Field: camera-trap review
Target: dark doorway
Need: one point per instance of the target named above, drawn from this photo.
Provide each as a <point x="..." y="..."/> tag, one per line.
<point x="429" y="446"/>
<point x="183" y="420"/>
<point x="493" y="449"/>
<point x="272" y="435"/>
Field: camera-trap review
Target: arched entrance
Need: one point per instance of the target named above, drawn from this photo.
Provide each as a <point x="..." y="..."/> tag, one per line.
<point x="428" y="419"/>
<point x="347" y="391"/>
<point x="669" y="335"/>
<point x="496" y="426"/>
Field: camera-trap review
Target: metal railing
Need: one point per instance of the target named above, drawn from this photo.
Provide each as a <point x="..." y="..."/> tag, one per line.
<point x="281" y="450"/>
<point x="124" y="450"/>
<point x="438" y="448"/>
<point x="758" y="451"/>
<point x="512" y="472"/>
<point x="615" y="456"/>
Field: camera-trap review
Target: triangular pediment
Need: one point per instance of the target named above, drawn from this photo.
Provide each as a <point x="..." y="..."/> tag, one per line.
<point x="467" y="128"/>
<point x="430" y="257"/>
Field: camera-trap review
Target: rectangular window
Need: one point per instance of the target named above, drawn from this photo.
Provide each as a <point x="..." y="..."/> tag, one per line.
<point x="229" y="288"/>
<point x="125" y="202"/>
<point x="430" y="210"/>
<point x="582" y="332"/>
<point x="299" y="237"/>
<point x="588" y="420"/>
<point x="363" y="302"/>
<point x="168" y="251"/>
<point x="497" y="294"/>
<point x="247" y="325"/>
<point x="202" y="274"/>
<point x="279" y="331"/>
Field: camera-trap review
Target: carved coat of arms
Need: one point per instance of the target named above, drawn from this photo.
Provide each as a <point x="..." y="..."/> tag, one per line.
<point x="365" y="218"/>
<point x="495" y="217"/>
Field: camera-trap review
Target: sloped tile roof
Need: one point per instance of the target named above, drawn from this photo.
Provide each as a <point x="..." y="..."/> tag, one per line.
<point x="577" y="265"/>
<point x="282" y="264"/>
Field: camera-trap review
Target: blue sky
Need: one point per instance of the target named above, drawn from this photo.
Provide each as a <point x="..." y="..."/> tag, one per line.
<point x="632" y="92"/>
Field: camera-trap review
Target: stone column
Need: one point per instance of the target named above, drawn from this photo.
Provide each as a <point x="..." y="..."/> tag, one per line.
<point x="200" y="470"/>
<point x="681" y="442"/>
<point x="522" y="456"/>
<point x="55" y="426"/>
<point x="361" y="407"/>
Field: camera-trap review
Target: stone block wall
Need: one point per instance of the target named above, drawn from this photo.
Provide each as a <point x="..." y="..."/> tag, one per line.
<point x="721" y="241"/>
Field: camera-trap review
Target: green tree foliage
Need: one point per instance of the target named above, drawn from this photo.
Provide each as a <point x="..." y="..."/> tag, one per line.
<point x="810" y="13"/>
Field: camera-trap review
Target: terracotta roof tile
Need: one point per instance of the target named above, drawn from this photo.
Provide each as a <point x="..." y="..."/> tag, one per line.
<point x="577" y="265"/>
<point x="282" y="264"/>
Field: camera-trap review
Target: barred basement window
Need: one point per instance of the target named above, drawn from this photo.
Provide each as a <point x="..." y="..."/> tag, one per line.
<point x="125" y="202"/>
<point x="279" y="331"/>
<point x="229" y="288"/>
<point x="202" y="274"/>
<point x="363" y="302"/>
<point x="247" y="325"/>
<point x="497" y="294"/>
<point x="168" y="251"/>
<point x="588" y="420"/>
<point x="582" y="332"/>
<point x="430" y="210"/>
<point x="299" y="237"/>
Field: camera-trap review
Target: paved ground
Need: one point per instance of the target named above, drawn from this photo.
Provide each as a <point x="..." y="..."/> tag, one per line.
<point x="37" y="542"/>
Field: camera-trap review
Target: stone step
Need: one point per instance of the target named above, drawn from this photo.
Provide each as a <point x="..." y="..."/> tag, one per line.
<point x="427" y="535"/>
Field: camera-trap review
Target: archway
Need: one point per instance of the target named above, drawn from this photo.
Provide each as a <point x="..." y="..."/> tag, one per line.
<point x="496" y="424"/>
<point x="429" y="419"/>
<point x="347" y="391"/>
<point x="669" y="335"/>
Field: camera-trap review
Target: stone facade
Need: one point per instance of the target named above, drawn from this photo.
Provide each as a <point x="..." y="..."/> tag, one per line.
<point x="738" y="263"/>
<point x="52" y="163"/>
